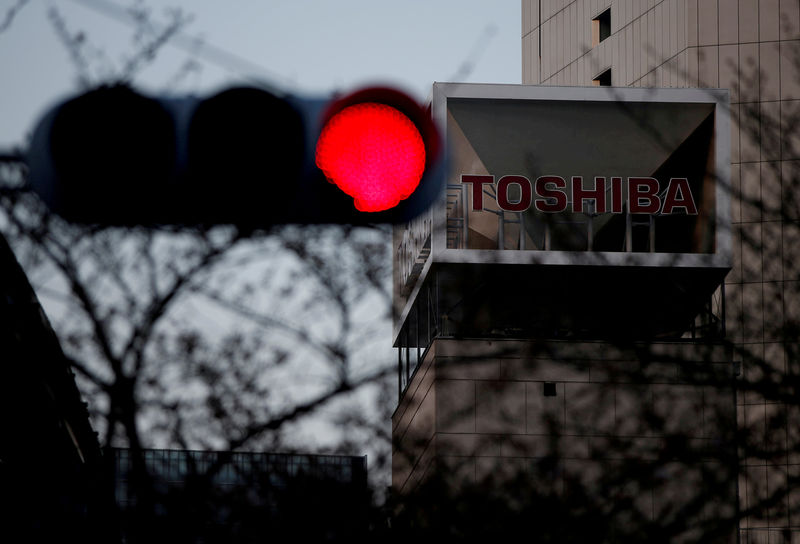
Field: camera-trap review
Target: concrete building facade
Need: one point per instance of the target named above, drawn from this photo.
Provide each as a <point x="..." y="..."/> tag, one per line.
<point x="495" y="380"/>
<point x="569" y="369"/>
<point x="752" y="48"/>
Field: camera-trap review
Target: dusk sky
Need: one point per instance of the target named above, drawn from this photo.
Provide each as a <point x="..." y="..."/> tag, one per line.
<point x="306" y="46"/>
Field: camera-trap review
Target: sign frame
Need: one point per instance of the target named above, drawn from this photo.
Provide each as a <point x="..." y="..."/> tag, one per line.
<point x="437" y="252"/>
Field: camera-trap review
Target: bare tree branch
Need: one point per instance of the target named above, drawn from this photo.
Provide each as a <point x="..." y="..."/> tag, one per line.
<point x="11" y="13"/>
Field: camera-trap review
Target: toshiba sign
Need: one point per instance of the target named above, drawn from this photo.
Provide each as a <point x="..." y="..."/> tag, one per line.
<point x="584" y="170"/>
<point x="548" y="194"/>
<point x="571" y="179"/>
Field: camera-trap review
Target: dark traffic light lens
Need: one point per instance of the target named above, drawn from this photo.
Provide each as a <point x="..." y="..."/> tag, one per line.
<point x="246" y="151"/>
<point x="115" y="151"/>
<point x="372" y="152"/>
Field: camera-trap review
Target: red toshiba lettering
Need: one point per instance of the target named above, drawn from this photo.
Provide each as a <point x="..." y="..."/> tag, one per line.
<point x="616" y="195"/>
<point x="643" y="195"/>
<point x="679" y="195"/>
<point x="549" y="194"/>
<point x="525" y="193"/>
<point x="477" y="182"/>
<point x="598" y="194"/>
<point x="553" y="200"/>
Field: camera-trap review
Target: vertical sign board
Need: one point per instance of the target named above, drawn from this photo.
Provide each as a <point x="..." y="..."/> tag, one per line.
<point x="574" y="177"/>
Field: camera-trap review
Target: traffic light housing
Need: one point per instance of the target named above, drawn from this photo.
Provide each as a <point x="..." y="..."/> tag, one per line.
<point x="243" y="156"/>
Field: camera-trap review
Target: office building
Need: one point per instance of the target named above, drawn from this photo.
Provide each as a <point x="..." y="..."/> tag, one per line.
<point x="752" y="48"/>
<point x="495" y="375"/>
<point x="561" y="341"/>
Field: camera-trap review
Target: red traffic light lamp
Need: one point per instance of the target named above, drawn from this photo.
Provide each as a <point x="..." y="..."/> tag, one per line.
<point x="372" y="150"/>
<point x="243" y="156"/>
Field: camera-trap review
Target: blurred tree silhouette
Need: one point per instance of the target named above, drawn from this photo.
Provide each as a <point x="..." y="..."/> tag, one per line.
<point x="209" y="338"/>
<point x="218" y="339"/>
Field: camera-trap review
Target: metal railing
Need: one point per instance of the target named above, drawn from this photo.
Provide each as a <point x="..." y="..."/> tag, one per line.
<point x="458" y="226"/>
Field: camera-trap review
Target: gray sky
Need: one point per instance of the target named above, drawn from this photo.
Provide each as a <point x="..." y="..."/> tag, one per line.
<point x="308" y="46"/>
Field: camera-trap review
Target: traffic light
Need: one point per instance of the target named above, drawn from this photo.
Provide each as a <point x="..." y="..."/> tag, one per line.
<point x="242" y="156"/>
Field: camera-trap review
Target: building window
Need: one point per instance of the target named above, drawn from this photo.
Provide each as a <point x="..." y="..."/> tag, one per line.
<point x="601" y="27"/>
<point x="603" y="79"/>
